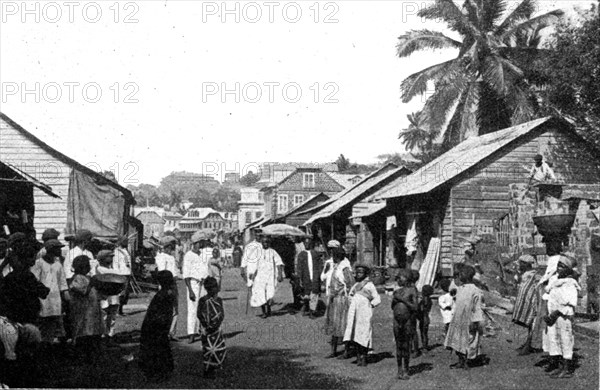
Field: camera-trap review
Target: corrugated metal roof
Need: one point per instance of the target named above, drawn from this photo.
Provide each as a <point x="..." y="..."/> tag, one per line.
<point x="364" y="209"/>
<point x="296" y="208"/>
<point x="455" y="161"/>
<point x="357" y="191"/>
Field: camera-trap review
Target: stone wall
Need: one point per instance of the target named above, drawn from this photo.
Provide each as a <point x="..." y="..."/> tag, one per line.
<point x="524" y="239"/>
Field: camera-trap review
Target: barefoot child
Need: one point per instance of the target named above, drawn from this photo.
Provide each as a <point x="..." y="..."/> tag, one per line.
<point x="465" y="330"/>
<point x="423" y="315"/>
<point x="446" y="303"/>
<point x="363" y="298"/>
<point x="156" y="359"/>
<point x="412" y="281"/>
<point x="85" y="310"/>
<point x="211" y="314"/>
<point x="404" y="305"/>
<point x="562" y="299"/>
<point x="110" y="304"/>
<point x="49" y="270"/>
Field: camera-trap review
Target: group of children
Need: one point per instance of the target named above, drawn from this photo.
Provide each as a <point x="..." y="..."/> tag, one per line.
<point x="461" y="310"/>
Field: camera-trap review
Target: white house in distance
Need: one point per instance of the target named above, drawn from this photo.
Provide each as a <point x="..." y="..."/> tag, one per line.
<point x="205" y="218"/>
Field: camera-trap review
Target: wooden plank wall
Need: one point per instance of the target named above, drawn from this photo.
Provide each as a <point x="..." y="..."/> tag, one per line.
<point x="20" y="152"/>
<point x="483" y="196"/>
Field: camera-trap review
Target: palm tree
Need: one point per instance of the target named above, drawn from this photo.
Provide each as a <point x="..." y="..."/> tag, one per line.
<point x="488" y="86"/>
<point x="418" y="139"/>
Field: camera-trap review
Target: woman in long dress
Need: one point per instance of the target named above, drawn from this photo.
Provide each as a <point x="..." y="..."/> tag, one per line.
<point x="363" y="298"/>
<point x="337" y="305"/>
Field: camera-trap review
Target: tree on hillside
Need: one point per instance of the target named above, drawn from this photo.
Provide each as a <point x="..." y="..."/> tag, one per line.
<point x="249" y="179"/>
<point x="402" y="160"/>
<point x="572" y="71"/>
<point x="487" y="87"/>
<point x="342" y="163"/>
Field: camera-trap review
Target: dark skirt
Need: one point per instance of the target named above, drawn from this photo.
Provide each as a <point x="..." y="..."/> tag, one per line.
<point x="336" y="315"/>
<point x="214" y="349"/>
<point x="156" y="358"/>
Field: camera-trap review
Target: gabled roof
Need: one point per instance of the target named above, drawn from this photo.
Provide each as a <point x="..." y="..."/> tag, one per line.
<point x="344" y="179"/>
<point x="460" y="159"/>
<point x="149" y="212"/>
<point x="303" y="205"/>
<point x="358" y="192"/>
<point x="67" y="160"/>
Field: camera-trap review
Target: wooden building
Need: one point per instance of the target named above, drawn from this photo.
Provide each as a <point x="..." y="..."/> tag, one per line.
<point x="468" y="190"/>
<point x="85" y="199"/>
<point x="154" y="224"/>
<point x="333" y="220"/>
<point x="293" y="190"/>
<point x="297" y="216"/>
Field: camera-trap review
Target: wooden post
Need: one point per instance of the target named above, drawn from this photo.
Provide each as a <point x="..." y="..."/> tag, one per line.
<point x="332" y="236"/>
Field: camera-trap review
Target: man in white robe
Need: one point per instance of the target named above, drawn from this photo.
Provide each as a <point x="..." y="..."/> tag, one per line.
<point x="269" y="272"/>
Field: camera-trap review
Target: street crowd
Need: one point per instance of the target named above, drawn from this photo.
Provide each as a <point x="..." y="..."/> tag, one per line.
<point x="545" y="303"/>
<point x="51" y="297"/>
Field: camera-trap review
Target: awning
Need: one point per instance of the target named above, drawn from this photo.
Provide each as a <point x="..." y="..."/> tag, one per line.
<point x="365" y="209"/>
<point x="23" y="177"/>
<point x="258" y="223"/>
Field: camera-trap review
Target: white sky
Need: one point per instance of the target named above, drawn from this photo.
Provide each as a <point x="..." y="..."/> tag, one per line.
<point x="170" y="54"/>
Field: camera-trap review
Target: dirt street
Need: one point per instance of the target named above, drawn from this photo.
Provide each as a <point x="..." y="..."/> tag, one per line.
<point x="287" y="351"/>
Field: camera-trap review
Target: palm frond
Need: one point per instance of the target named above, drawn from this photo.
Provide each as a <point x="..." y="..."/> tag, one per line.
<point x="449" y="12"/>
<point x="439" y="105"/>
<point x="522" y="12"/>
<point x="415" y="40"/>
<point x="491" y="13"/>
<point x="499" y="73"/>
<point x="539" y="22"/>
<point x="523" y="104"/>
<point x="416" y="83"/>
<point x="464" y="120"/>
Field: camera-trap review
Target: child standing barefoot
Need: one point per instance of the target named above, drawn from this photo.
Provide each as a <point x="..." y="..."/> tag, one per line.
<point x="404" y="305"/>
<point x="211" y="315"/>
<point x="85" y="310"/>
<point x="446" y="303"/>
<point x="363" y="298"/>
<point x="465" y="330"/>
<point x="156" y="359"/>
<point x="423" y="315"/>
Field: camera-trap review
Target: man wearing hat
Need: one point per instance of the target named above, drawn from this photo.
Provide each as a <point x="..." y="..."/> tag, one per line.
<point x="527" y="302"/>
<point x="541" y="171"/>
<point x="81" y="240"/>
<point x="109" y="304"/>
<point x="48" y="234"/>
<point x="561" y="294"/>
<point x="49" y="271"/>
<point x="194" y="271"/>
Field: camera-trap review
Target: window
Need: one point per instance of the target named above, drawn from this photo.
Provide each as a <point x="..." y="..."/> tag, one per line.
<point x="248" y="216"/>
<point x="261" y="197"/>
<point x="298" y="200"/>
<point x="308" y="180"/>
<point x="258" y="214"/>
<point x="282" y="203"/>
